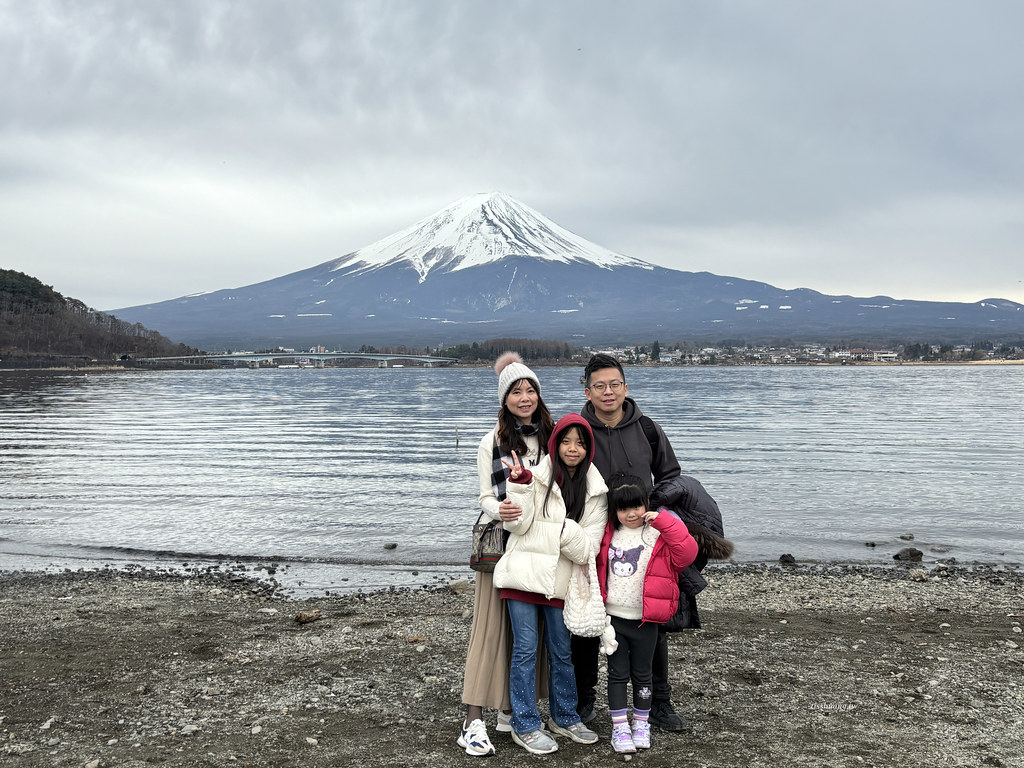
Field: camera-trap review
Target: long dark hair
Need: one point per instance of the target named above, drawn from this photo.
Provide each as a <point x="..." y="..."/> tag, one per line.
<point x="572" y="486"/>
<point x="625" y="492"/>
<point x="510" y="435"/>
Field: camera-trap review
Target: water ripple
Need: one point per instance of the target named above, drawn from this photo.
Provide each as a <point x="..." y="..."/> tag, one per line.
<point x="332" y="465"/>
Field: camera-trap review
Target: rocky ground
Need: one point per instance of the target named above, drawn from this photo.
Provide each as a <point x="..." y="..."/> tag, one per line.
<point x="802" y="666"/>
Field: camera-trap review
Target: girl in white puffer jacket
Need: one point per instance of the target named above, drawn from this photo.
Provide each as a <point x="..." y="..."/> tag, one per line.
<point x="564" y="514"/>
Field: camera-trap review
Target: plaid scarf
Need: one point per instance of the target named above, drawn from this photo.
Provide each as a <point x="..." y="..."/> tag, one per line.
<point x="499" y="472"/>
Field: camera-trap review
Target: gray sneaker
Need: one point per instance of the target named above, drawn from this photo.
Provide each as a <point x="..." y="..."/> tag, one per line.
<point x="504" y="722"/>
<point x="537" y="742"/>
<point x="578" y="732"/>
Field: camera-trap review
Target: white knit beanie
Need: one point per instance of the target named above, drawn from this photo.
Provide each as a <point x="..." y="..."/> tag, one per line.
<point x="510" y="369"/>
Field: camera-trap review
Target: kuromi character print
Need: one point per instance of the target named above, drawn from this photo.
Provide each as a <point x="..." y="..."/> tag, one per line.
<point x="622" y="562"/>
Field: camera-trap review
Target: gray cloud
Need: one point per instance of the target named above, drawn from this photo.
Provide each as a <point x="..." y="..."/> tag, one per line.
<point x="149" y="150"/>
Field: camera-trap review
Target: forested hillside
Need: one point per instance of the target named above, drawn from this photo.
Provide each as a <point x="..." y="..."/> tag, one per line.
<point x="39" y="326"/>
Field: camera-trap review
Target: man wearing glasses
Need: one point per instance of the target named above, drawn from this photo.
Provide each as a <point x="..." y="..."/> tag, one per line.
<point x="626" y="441"/>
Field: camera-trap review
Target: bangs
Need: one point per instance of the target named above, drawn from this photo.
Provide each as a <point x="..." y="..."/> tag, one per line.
<point x="581" y="434"/>
<point x="626" y="496"/>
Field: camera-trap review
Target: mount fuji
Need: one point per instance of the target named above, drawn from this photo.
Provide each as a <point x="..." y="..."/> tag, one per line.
<point x="488" y="266"/>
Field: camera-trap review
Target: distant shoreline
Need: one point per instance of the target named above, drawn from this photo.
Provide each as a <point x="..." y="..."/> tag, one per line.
<point x="300" y="579"/>
<point x="857" y="364"/>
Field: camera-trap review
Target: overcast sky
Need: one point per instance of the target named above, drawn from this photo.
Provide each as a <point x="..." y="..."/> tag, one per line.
<point x="150" y="150"/>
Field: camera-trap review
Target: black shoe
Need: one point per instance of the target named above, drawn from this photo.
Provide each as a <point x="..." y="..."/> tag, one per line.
<point x="585" y="710"/>
<point x="664" y="716"/>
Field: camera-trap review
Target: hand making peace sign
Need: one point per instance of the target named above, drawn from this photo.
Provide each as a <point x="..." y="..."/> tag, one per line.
<point x="515" y="469"/>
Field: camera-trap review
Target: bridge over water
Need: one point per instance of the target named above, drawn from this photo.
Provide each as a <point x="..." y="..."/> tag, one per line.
<point x="314" y="359"/>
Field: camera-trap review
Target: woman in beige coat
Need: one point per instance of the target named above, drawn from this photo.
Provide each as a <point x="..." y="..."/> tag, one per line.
<point x="524" y="425"/>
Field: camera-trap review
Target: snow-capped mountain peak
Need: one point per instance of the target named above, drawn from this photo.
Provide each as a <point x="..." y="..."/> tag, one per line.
<point x="533" y="279"/>
<point x="477" y="230"/>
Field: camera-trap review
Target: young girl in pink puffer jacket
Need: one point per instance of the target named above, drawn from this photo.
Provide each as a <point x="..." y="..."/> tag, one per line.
<point x="638" y="566"/>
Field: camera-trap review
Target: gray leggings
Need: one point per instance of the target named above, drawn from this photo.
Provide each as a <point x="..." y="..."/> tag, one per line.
<point x="632" y="661"/>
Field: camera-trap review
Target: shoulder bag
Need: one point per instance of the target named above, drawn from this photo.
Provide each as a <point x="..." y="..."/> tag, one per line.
<point x="488" y="544"/>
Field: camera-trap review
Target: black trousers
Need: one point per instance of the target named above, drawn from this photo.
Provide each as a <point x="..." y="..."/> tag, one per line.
<point x="632" y="662"/>
<point x="585" y="651"/>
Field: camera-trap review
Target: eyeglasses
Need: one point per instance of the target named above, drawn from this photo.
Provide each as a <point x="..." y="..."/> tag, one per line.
<point x="614" y="386"/>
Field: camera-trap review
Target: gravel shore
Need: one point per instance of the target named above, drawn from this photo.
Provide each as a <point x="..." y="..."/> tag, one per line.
<point x="796" y="666"/>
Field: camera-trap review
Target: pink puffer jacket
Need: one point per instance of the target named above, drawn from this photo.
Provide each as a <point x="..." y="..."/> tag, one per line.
<point x="673" y="551"/>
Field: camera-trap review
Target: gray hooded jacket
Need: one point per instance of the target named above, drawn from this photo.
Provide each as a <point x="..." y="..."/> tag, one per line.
<point x="625" y="448"/>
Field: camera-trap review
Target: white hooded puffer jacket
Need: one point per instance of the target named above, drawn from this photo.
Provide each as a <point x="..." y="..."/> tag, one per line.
<point x="540" y="551"/>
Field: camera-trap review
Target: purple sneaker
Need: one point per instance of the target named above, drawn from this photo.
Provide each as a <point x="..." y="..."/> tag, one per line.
<point x="641" y="734"/>
<point x="622" y="739"/>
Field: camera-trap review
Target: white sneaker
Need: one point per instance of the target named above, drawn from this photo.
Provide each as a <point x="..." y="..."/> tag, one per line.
<point x="504" y="723"/>
<point x="474" y="739"/>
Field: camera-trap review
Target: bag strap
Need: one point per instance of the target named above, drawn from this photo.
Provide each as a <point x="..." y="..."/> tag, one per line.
<point x="651" y="432"/>
<point x="595" y="585"/>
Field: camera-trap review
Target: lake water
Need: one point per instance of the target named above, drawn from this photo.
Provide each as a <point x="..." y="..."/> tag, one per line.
<point x="318" y="470"/>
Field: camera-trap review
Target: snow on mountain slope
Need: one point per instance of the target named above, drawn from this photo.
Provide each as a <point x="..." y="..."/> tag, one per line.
<point x="497" y="268"/>
<point x="478" y="230"/>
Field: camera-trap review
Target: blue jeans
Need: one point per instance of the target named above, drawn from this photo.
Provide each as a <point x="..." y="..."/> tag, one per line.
<point x="522" y="674"/>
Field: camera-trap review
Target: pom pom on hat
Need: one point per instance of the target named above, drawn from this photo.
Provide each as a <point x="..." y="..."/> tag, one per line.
<point x="507" y="358"/>
<point x="510" y="369"/>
